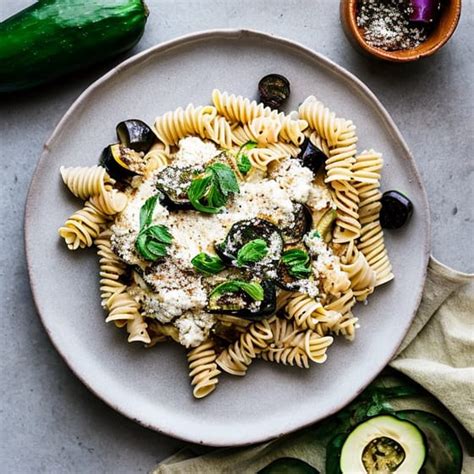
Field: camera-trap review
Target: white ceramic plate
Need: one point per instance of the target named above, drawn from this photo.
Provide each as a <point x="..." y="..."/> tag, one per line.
<point x="152" y="386"/>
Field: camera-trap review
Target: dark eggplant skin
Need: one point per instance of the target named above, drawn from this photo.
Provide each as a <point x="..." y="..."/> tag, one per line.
<point x="243" y="232"/>
<point x="135" y="134"/>
<point x="111" y="161"/>
<point x="266" y="309"/>
<point x="288" y="466"/>
<point x="174" y="184"/>
<point x="311" y="156"/>
<point x="396" y="210"/>
<point x="274" y="90"/>
<point x="303" y="223"/>
<point x="284" y="280"/>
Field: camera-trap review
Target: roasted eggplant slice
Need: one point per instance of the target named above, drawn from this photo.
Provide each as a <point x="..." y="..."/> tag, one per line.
<point x="311" y="156"/>
<point x="301" y="225"/>
<point x="253" y="300"/>
<point x="120" y="162"/>
<point x="274" y="90"/>
<point x="135" y="134"/>
<point x="174" y="184"/>
<point x="294" y="268"/>
<point x="243" y="232"/>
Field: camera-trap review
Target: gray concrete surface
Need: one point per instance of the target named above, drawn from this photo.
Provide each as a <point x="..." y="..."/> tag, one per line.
<point x="49" y="421"/>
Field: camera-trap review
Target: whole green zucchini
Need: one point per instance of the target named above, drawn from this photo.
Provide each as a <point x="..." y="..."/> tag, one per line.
<point x="54" y="37"/>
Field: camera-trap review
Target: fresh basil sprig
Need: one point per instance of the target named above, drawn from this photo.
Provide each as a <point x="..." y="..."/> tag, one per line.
<point x="297" y="262"/>
<point x="252" y="252"/>
<point x="209" y="192"/>
<point x="254" y="290"/>
<point x="207" y="264"/>
<point x="153" y="240"/>
<point x="242" y="159"/>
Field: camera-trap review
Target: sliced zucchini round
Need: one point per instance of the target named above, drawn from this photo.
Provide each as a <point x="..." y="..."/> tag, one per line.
<point x="444" y="449"/>
<point x="253" y="300"/>
<point x="243" y="232"/>
<point x="383" y="444"/>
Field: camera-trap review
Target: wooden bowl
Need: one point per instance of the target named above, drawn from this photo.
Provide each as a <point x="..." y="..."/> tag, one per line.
<point x="445" y="26"/>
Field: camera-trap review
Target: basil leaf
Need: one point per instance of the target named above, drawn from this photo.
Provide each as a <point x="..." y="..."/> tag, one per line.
<point x="254" y="290"/>
<point x="225" y="178"/>
<point x="207" y="264"/>
<point x="153" y="240"/>
<point x="141" y="244"/>
<point x="297" y="262"/>
<point x="160" y="233"/>
<point x="197" y="191"/>
<point x="243" y="164"/>
<point x="146" y="211"/>
<point x="158" y="249"/>
<point x="252" y="252"/>
<point x="209" y="193"/>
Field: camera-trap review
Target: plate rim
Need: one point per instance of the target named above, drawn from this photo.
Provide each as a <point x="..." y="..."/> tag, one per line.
<point x="207" y="438"/>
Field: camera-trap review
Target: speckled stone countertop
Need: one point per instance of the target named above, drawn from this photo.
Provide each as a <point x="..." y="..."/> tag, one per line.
<point x="49" y="422"/>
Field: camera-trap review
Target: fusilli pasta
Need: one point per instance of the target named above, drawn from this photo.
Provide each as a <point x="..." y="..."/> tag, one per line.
<point x="80" y="230"/>
<point x="203" y="369"/>
<point x="85" y="181"/>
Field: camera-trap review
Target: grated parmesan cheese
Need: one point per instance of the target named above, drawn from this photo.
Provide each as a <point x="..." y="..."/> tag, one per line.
<point x="319" y="198"/>
<point x="264" y="199"/>
<point x="295" y="179"/>
<point x="194" y="152"/>
<point x="326" y="265"/>
<point x="194" y="327"/>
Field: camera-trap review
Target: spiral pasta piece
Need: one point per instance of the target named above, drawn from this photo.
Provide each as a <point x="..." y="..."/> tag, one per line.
<point x="80" y="230"/>
<point x="122" y="308"/>
<point x="371" y="242"/>
<point x="158" y="157"/>
<point x="342" y="155"/>
<point x="239" y="109"/>
<point x="264" y="130"/>
<point x="111" y="268"/>
<point x="307" y="313"/>
<point x="362" y="276"/>
<point x="137" y="330"/>
<point x="322" y="120"/>
<point x="85" y="181"/>
<point x="343" y="303"/>
<point x="372" y="245"/>
<point x="367" y="167"/>
<point x="177" y="124"/>
<point x="303" y="310"/>
<point x="109" y="202"/>
<point x="292" y="129"/>
<point x="344" y="326"/>
<point x="346" y="199"/>
<point x="219" y="131"/>
<point x="260" y="158"/>
<point x="203" y="369"/>
<point x="238" y="356"/>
